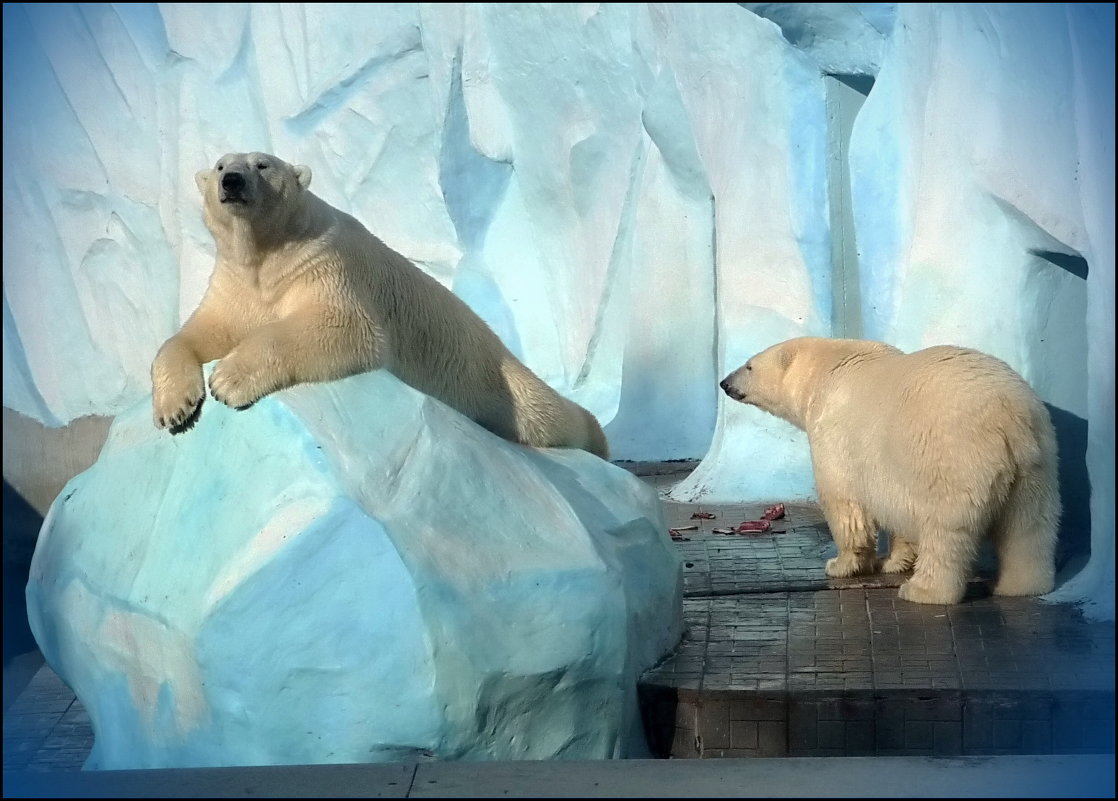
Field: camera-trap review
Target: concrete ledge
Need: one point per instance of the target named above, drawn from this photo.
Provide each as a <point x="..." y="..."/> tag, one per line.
<point x="854" y="777"/>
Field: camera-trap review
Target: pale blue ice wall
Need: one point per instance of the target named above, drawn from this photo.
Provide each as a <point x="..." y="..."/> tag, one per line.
<point x="982" y="169"/>
<point x="632" y="195"/>
<point x="1093" y="34"/>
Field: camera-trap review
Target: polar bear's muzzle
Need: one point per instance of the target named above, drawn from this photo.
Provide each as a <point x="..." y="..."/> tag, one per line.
<point x="233" y="186"/>
<point x="730" y="389"/>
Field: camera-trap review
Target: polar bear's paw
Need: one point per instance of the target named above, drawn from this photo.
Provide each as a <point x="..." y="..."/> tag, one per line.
<point x="177" y="397"/>
<point x="920" y="593"/>
<point x="235" y="384"/>
<point x="902" y="556"/>
<point x="1040" y="582"/>
<point x="896" y="563"/>
<point x="850" y="564"/>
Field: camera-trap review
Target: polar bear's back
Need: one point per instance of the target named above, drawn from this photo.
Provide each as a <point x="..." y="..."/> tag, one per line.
<point x="436" y="343"/>
<point x="965" y="390"/>
<point x="947" y="427"/>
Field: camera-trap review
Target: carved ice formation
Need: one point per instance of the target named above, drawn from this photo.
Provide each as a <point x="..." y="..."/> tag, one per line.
<point x="352" y="572"/>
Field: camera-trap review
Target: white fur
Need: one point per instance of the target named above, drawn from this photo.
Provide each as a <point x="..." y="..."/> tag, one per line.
<point x="939" y="448"/>
<point x="302" y="292"/>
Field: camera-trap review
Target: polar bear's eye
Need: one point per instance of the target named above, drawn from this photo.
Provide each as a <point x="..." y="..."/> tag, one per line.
<point x="748" y="366"/>
<point x="260" y="165"/>
<point x="220" y="167"/>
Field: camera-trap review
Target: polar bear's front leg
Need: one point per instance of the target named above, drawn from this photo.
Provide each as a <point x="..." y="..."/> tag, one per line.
<point x="852" y="528"/>
<point x="855" y="536"/>
<point x="943" y="565"/>
<point x="177" y="386"/>
<point x="257" y="367"/>
<point x="291" y="351"/>
<point x="902" y="555"/>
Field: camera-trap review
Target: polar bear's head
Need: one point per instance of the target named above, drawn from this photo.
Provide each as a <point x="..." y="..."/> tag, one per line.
<point x="251" y="186"/>
<point x="786" y="379"/>
<point x="766" y="381"/>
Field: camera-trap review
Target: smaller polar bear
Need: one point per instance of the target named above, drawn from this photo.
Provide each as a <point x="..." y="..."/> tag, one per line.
<point x="302" y="292"/>
<point x="937" y="447"/>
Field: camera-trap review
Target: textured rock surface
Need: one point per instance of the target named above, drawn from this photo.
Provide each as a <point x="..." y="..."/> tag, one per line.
<point x="351" y="572"/>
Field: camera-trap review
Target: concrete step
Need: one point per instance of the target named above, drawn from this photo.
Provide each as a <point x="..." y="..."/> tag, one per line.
<point x="875" y="777"/>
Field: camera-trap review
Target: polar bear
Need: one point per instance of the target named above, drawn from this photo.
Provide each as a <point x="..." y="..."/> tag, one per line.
<point x="938" y="447"/>
<point x="302" y="292"/>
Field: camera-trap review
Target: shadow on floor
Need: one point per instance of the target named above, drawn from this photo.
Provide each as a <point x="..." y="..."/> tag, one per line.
<point x="21" y="528"/>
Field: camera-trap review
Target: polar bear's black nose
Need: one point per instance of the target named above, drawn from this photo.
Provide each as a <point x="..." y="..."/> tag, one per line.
<point x="729" y="390"/>
<point x="232" y="182"/>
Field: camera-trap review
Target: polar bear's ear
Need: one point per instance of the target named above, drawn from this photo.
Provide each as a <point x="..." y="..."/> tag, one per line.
<point x="303" y="175"/>
<point x="201" y="178"/>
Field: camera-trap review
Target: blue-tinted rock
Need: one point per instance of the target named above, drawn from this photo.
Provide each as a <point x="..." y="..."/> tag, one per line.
<point x="351" y="572"/>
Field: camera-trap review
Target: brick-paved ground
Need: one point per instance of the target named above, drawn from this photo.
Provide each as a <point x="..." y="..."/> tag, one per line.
<point x="46" y="728"/>
<point x="779" y="660"/>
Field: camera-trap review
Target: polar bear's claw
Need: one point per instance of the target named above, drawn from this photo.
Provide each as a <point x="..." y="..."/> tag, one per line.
<point x="231" y="386"/>
<point x="184" y="421"/>
<point x="184" y="383"/>
<point x="188" y="408"/>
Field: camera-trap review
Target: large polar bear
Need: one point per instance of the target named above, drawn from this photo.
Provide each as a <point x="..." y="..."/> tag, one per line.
<point x="937" y="447"/>
<point x="302" y="292"/>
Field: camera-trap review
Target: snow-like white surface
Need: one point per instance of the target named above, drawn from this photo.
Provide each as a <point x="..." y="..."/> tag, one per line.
<point x="843" y="40"/>
<point x="633" y="195"/>
<point x="306" y="582"/>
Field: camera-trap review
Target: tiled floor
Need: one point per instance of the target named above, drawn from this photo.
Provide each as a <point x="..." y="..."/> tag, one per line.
<point x="46" y="728"/>
<point x="790" y="556"/>
<point x="779" y="660"/>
